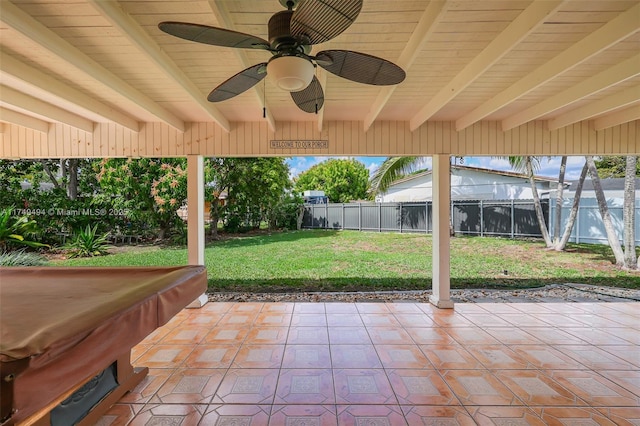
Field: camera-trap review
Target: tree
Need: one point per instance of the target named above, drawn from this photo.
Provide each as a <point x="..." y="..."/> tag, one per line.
<point x="150" y="190"/>
<point x="392" y="169"/>
<point x="574" y="211"/>
<point x="614" y="242"/>
<point x="614" y="166"/>
<point x="341" y="180"/>
<point x="527" y="165"/>
<point x="629" y="213"/>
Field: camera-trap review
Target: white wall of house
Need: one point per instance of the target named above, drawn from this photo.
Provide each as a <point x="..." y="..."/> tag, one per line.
<point x="466" y="184"/>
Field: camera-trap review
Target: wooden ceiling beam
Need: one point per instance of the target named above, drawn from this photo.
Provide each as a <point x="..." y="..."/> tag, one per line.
<point x="594" y="84"/>
<point x="222" y="16"/>
<point x="622" y="99"/>
<point x="19" y="100"/>
<point x="46" y="83"/>
<point x="14" y="17"/>
<point x="145" y="44"/>
<point x="620" y="117"/>
<point x="619" y="28"/>
<point x="20" y="119"/>
<point x="424" y="29"/>
<point x="523" y="25"/>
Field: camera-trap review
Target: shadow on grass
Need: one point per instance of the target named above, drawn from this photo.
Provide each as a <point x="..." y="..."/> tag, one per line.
<point x="240" y="240"/>
<point x="395" y="284"/>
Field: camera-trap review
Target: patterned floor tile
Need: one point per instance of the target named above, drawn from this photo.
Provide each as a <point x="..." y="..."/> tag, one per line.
<point x="628" y="353"/>
<point x="363" y="386"/>
<point x="595" y="358"/>
<point x="189" y="386"/>
<point x="512" y="336"/>
<point x="308" y="320"/>
<point x="452" y="320"/>
<point x="623" y="416"/>
<point x="535" y="388"/>
<point x="165" y="356"/>
<point x="259" y="356"/>
<point x="305" y="386"/>
<point x="267" y="336"/>
<point x="282" y="307"/>
<point x="486" y="320"/>
<point x="437" y="415"/>
<point x="594" y="389"/>
<point x="204" y="320"/>
<point x="473" y="336"/>
<point x="389" y="336"/>
<point x="119" y="414"/>
<point x="308" y="336"/>
<point x="227" y="335"/>
<point x="211" y="356"/>
<point x="237" y="319"/>
<point x="247" y="386"/>
<point x="169" y="414"/>
<point x="498" y="357"/>
<point x="553" y="336"/>
<point x="273" y="319"/>
<point x="524" y="320"/>
<point x="236" y="415"/>
<point x="414" y="320"/>
<point x="630" y="380"/>
<point x="379" y="320"/>
<point x="404" y="308"/>
<point x="148" y="386"/>
<point x="349" y="335"/>
<point x="485" y="416"/>
<point x="246" y="308"/>
<point x="344" y="320"/>
<point x="373" y="308"/>
<point x="371" y="415"/>
<point x="402" y="356"/>
<point x="594" y="336"/>
<point x="354" y="356"/>
<point x="306" y="356"/>
<point x="546" y="357"/>
<point x="185" y="335"/>
<point x="560" y="416"/>
<point x="421" y="387"/>
<point x="448" y="357"/>
<point x="477" y="387"/>
<point x="340" y="308"/>
<point x="303" y="415"/>
<point x="430" y="336"/>
<point x="309" y="308"/>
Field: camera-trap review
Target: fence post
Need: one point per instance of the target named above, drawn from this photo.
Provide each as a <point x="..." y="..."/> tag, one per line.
<point x="481" y="219"/>
<point x="513" y="218"/>
<point x="326" y="215"/>
<point x="401" y="218"/>
<point x="426" y="217"/>
<point x="379" y="217"/>
<point x="342" y="216"/>
<point x="359" y="216"/>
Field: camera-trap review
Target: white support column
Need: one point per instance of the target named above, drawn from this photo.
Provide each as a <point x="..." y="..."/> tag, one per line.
<point x="195" y="217"/>
<point x="441" y="283"/>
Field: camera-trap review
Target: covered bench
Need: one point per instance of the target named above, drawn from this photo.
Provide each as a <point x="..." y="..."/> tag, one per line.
<point x="66" y="335"/>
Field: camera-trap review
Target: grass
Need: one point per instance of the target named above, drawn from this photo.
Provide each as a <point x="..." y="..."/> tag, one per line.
<point x="351" y="261"/>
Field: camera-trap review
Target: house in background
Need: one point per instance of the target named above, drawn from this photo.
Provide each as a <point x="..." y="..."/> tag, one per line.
<point x="612" y="188"/>
<point x="469" y="183"/>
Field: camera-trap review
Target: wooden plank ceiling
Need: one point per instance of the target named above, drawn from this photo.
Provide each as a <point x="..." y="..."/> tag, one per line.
<point x="92" y="61"/>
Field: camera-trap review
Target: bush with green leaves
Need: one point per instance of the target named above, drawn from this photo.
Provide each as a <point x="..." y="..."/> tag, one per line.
<point x="17" y="230"/>
<point x="22" y="258"/>
<point x="88" y="243"/>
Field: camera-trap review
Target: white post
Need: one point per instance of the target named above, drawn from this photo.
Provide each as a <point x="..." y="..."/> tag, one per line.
<point x="441" y="185"/>
<point x="195" y="217"/>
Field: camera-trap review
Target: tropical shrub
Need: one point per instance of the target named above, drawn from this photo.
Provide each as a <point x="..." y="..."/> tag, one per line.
<point x="88" y="243"/>
<point x="17" y="230"/>
<point x="21" y="258"/>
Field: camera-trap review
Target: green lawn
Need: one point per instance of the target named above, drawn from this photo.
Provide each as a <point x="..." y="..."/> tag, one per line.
<point x="349" y="260"/>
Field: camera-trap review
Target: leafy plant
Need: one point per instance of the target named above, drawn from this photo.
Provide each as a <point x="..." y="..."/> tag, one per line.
<point x="17" y="230"/>
<point x="88" y="243"/>
<point x="21" y="258"/>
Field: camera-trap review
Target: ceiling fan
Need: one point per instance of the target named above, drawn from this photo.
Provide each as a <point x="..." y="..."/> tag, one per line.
<point x="292" y="32"/>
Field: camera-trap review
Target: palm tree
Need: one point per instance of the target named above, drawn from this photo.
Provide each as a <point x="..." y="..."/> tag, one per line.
<point x="629" y="214"/>
<point x="392" y="169"/>
<point x="562" y="243"/>
<point x="614" y="242"/>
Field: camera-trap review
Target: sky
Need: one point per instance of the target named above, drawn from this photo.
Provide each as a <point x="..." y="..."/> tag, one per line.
<point x="549" y="166"/>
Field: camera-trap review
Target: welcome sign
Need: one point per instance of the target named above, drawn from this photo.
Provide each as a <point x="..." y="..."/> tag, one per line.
<point x="299" y="144"/>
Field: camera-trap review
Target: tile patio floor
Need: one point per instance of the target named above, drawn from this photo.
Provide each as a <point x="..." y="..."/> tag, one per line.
<point x="378" y="364"/>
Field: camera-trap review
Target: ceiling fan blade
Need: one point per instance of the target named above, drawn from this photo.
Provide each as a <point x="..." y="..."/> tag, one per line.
<point x="213" y="35"/>
<point x="239" y="83"/>
<point x="310" y="99"/>
<point x="321" y="20"/>
<point x="360" y="67"/>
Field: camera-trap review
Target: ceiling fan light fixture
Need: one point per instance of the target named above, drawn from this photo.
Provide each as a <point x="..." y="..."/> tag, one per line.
<point x="290" y="73"/>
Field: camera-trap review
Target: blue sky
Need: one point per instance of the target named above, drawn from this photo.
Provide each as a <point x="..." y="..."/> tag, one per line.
<point x="549" y="166"/>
